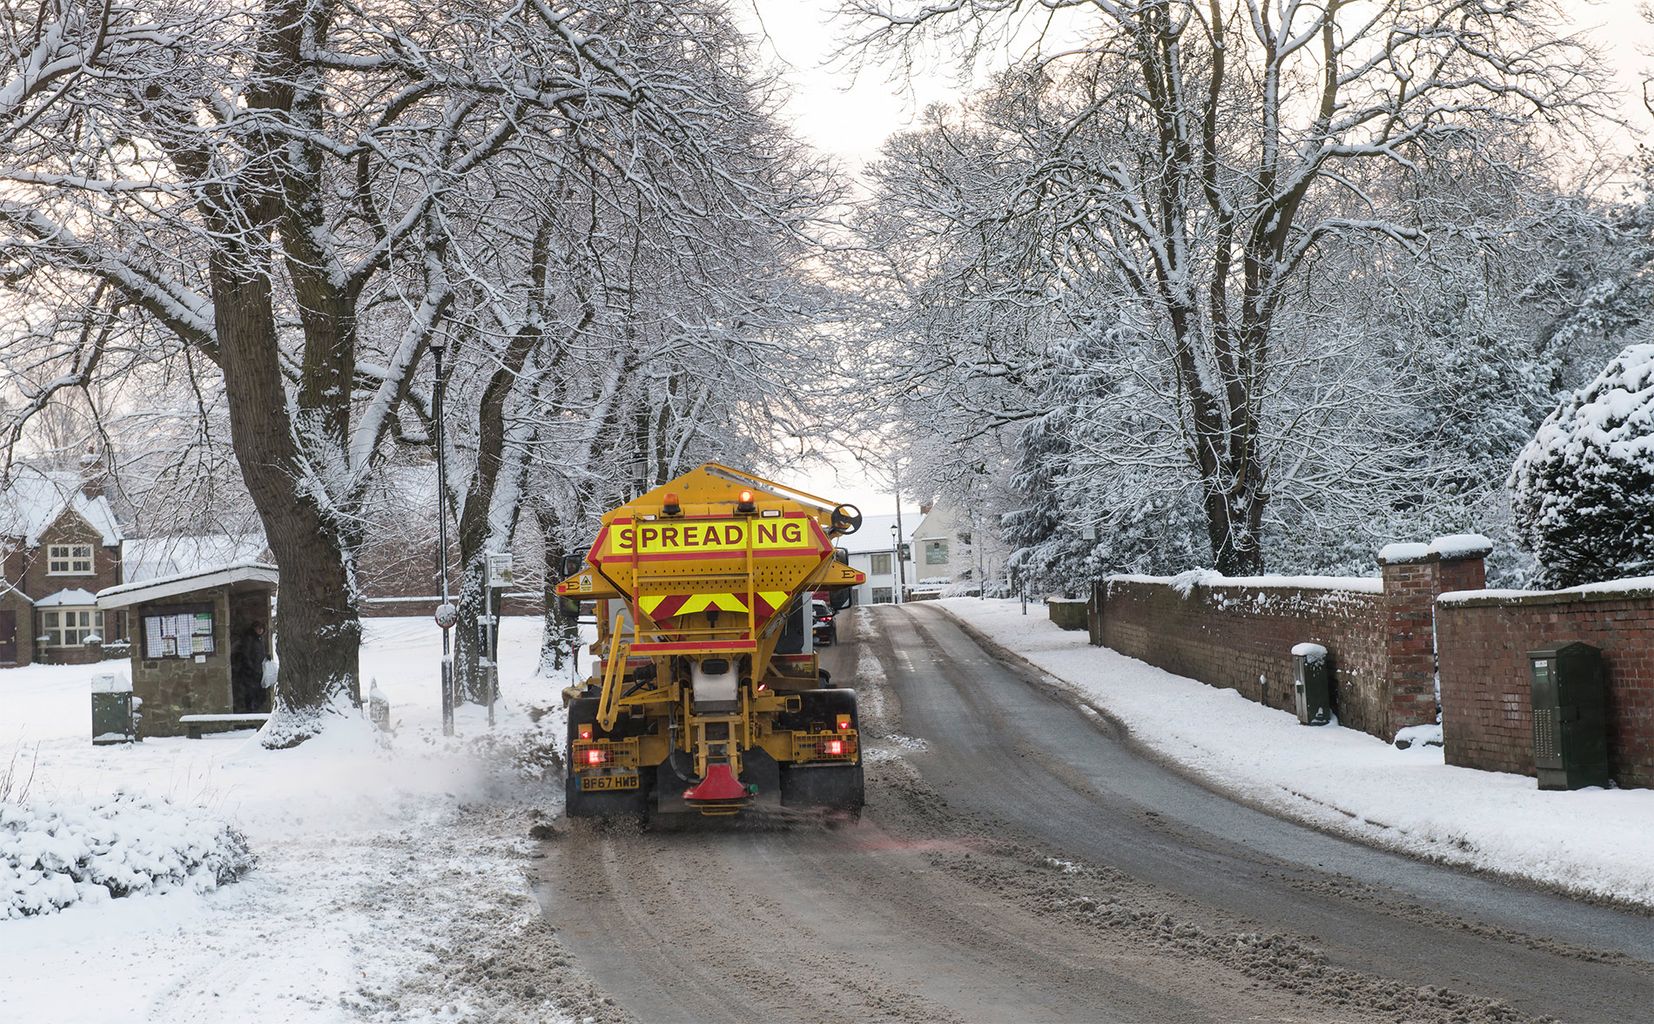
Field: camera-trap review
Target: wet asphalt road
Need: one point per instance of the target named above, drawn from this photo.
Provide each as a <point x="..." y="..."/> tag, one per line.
<point x="1020" y="860"/>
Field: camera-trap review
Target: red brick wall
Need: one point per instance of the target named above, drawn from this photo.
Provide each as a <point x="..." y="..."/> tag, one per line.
<point x="70" y="528"/>
<point x="1240" y="635"/>
<point x="1241" y="638"/>
<point x="1487" y="716"/>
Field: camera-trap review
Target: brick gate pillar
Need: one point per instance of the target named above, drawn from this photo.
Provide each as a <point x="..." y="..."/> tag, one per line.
<point x="1414" y="576"/>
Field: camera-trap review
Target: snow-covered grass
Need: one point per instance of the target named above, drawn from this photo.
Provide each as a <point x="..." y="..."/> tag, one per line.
<point x="1597" y="843"/>
<point x="371" y="851"/>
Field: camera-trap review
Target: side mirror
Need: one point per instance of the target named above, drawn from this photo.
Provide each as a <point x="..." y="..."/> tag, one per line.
<point x="840" y="598"/>
<point x="573" y="564"/>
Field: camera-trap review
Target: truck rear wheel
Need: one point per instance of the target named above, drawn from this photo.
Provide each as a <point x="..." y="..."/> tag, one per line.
<point x="577" y="803"/>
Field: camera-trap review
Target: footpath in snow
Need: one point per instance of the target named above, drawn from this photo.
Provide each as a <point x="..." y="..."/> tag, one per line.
<point x="1594" y="843"/>
<point x="391" y="880"/>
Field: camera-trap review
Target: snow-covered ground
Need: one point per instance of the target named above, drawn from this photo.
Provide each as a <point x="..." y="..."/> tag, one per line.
<point x="381" y="877"/>
<point x="1590" y="842"/>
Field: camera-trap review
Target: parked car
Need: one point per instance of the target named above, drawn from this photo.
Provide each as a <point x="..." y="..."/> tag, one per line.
<point x="821" y="615"/>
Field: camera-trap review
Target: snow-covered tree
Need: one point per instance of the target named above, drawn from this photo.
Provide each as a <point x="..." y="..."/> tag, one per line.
<point x="1584" y="487"/>
<point x="1182" y="167"/>
<point x="276" y="193"/>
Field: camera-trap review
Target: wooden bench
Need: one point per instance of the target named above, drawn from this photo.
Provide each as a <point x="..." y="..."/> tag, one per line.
<point x="194" y="722"/>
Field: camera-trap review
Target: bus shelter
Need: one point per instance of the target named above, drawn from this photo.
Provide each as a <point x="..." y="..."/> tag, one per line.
<point x="186" y="633"/>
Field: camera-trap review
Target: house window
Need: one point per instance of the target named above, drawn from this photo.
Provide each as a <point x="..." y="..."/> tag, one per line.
<point x="881" y="595"/>
<point x="66" y="627"/>
<point x="936" y="552"/>
<point x="880" y="564"/>
<point x="69" y="560"/>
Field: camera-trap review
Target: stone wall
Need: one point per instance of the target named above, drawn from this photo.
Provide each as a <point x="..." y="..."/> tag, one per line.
<point x="171" y="687"/>
<point x="1484" y="637"/>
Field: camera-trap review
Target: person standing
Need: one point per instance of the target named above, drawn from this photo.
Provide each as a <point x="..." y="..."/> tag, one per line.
<point x="247" y="670"/>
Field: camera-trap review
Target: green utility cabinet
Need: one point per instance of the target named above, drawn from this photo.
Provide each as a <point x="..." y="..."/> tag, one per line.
<point x="1312" y="683"/>
<point x="1570" y="716"/>
<point x="114" y="711"/>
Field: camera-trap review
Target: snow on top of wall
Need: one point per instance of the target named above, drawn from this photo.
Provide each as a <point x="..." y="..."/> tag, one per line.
<point x="1185" y="582"/>
<point x="1631" y="585"/>
<point x="1455" y="545"/>
<point x="35" y="499"/>
<point x="1310" y="652"/>
<point x="1461" y="545"/>
<point x="1391" y="554"/>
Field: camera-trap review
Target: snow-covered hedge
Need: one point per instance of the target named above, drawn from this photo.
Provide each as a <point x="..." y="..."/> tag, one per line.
<point x="53" y="855"/>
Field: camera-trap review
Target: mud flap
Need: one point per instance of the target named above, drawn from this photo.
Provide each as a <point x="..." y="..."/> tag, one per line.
<point x="624" y="804"/>
<point x="759" y="769"/>
<point x="825" y="787"/>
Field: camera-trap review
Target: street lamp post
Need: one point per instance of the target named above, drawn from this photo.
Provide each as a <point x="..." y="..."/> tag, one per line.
<point x="901" y="564"/>
<point x="895" y="559"/>
<point x="446" y="613"/>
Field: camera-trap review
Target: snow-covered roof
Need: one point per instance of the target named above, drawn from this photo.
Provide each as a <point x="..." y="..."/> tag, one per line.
<point x="152" y="558"/>
<point x="874" y="534"/>
<point x="35" y="498"/>
<point x="75" y="598"/>
<point x="184" y="583"/>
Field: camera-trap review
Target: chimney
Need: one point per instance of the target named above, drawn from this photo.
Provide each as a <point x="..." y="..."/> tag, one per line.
<point x="924" y="508"/>
<point x="91" y="473"/>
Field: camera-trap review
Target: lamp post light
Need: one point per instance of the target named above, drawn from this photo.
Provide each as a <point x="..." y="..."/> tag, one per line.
<point x="446" y="613"/>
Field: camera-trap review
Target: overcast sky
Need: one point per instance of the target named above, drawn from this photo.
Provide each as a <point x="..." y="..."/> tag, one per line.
<point x="849" y="116"/>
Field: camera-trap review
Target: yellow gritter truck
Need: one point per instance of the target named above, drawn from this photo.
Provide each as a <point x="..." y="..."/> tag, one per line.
<point x="708" y="696"/>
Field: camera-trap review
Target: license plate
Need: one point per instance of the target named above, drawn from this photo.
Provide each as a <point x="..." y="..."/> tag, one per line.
<point x="589" y="783"/>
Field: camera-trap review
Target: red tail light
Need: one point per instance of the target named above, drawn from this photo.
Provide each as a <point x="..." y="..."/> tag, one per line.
<point x="597" y="755"/>
<point x="834" y="747"/>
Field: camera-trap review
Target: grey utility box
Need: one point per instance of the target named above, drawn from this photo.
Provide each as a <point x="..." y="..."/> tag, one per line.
<point x="1570" y="716"/>
<point x="1312" y="683"/>
<point x="114" y="711"/>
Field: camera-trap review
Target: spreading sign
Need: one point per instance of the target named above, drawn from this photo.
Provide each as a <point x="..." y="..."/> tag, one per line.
<point x="709" y="537"/>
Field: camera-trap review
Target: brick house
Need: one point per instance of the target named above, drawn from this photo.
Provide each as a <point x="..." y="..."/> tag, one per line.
<point x="61" y="544"/>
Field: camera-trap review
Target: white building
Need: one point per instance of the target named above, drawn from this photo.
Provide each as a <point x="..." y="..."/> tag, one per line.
<point x="952" y="547"/>
<point x="872" y="550"/>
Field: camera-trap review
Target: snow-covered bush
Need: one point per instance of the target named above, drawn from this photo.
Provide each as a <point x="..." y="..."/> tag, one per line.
<point x="53" y="855"/>
<point x="1584" y="486"/>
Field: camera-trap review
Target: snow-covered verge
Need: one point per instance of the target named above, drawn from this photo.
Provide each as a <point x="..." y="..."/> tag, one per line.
<point x="54" y="855"/>
<point x="389" y="870"/>
<point x="1594" y="843"/>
